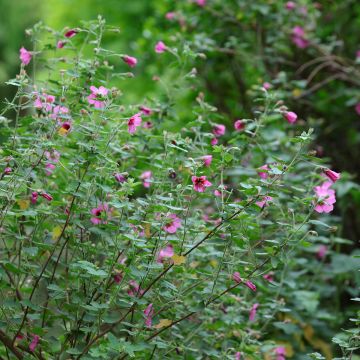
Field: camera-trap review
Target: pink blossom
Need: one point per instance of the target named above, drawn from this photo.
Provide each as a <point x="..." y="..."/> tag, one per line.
<point x="201" y="3"/>
<point x="253" y="310"/>
<point x="145" y="110"/>
<point x="264" y="202"/>
<point x="357" y="54"/>
<point x="172" y="224"/>
<point x="321" y="253"/>
<point x="53" y="156"/>
<point x="325" y="198"/>
<point x="298" y="37"/>
<point x="269" y="277"/>
<point x="200" y="183"/>
<point x="138" y="230"/>
<point x="60" y="44"/>
<point x="100" y="214"/>
<point x="290" y="116"/>
<point x="146" y="178"/>
<point x="239" y="125"/>
<point x="166" y="252"/>
<point x="357" y="108"/>
<point x="332" y="175"/>
<point x="44" y="102"/>
<point x="214" y="141"/>
<point x="7" y="170"/>
<point x="131" y="61"/>
<point x="120" y="178"/>
<point x="264" y="175"/>
<point x="160" y="47"/>
<point x="49" y="168"/>
<point x="207" y="159"/>
<point x="218" y="130"/>
<point x="250" y="285"/>
<point x="118" y="277"/>
<point x="59" y="112"/>
<point x="97" y="96"/>
<point x="34" y="342"/>
<point x="290" y="5"/>
<point x="170" y="15"/>
<point x="280" y="353"/>
<point x="134" y="288"/>
<point x="147" y="125"/>
<point x="238" y="355"/>
<point x="25" y="56"/>
<point x="236" y="277"/>
<point x="266" y="85"/>
<point x="149" y="313"/>
<point x="34" y="197"/>
<point x="71" y="33"/>
<point x="46" y="196"/>
<point x="219" y="193"/>
<point x="134" y="122"/>
<point x="298" y="31"/>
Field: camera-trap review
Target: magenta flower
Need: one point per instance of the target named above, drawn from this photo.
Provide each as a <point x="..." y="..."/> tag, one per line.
<point x="253" y="311"/>
<point x="325" y="198"/>
<point x="172" y="224"/>
<point x="134" y="288"/>
<point x="207" y="159"/>
<point x="46" y="196"/>
<point x="120" y="178"/>
<point x="357" y="54"/>
<point x="160" y="47"/>
<point x="134" y="122"/>
<point x="131" y="61"/>
<point x="321" y="253"/>
<point x="34" y="197"/>
<point x="100" y="214"/>
<point x="145" y="110"/>
<point x="269" y="277"/>
<point x="218" y="130"/>
<point x="280" y="353"/>
<point x="332" y="175"/>
<point x="118" y="277"/>
<point x="290" y="5"/>
<point x="98" y="96"/>
<point x="250" y="285"/>
<point x="290" y="116"/>
<point x="214" y="141"/>
<point x="200" y="183"/>
<point x="357" y="108"/>
<point x="266" y="85"/>
<point x="236" y="277"/>
<point x="25" y="56"/>
<point x="238" y="355"/>
<point x="71" y="33"/>
<point x="59" y="112"/>
<point x="53" y="156"/>
<point x="149" y="313"/>
<point x="146" y="178"/>
<point x="170" y="15"/>
<point x="148" y="125"/>
<point x="201" y="3"/>
<point x="49" y="168"/>
<point x="44" y="102"/>
<point x="34" y="342"/>
<point x="60" y="44"/>
<point x="7" y="170"/>
<point x="239" y="125"/>
<point x="264" y="202"/>
<point x="298" y="37"/>
<point x="264" y="175"/>
<point x="166" y="252"/>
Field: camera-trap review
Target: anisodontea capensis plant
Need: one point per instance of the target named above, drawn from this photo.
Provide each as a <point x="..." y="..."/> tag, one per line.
<point x="121" y="237"/>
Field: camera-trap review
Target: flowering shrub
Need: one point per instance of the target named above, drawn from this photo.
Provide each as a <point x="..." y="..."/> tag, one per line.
<point x="125" y="236"/>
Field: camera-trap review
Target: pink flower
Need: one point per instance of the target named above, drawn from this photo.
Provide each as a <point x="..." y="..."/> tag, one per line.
<point x="160" y="47"/>
<point x="332" y="175"/>
<point x="25" y="56"/>
<point x="214" y="141"/>
<point x="134" y="288"/>
<point x="59" y="112"/>
<point x="219" y="193"/>
<point x="118" y="277"/>
<point x="145" y="110"/>
<point x="170" y="15"/>
<point x="239" y="125"/>
<point x="134" y="122"/>
<point x="71" y="33"/>
<point x="264" y="202"/>
<point x="266" y="85"/>
<point x="290" y="5"/>
<point x="253" y="310"/>
<point x="44" y="102"/>
<point x="60" y="44"/>
<point x="149" y="313"/>
<point x="34" y="342"/>
<point x="357" y="54"/>
<point x="172" y="224"/>
<point x="218" y="130"/>
<point x="357" y="108"/>
<point x="325" y="198"/>
<point x="290" y="116"/>
<point x="269" y="277"/>
<point x="46" y="196"/>
<point x="250" y="285"/>
<point x="207" y="159"/>
<point x="321" y="253"/>
<point x="131" y="61"/>
<point x="264" y="175"/>
<point x="120" y="178"/>
<point x="200" y="183"/>
<point x="201" y="2"/>
<point x="34" y="197"/>
<point x="53" y="156"/>
<point x="298" y="37"/>
<point x="100" y="214"/>
<point x="280" y="353"/>
<point x="49" y="168"/>
<point x="146" y="178"/>
<point x="7" y="170"/>
<point x="238" y="355"/>
<point x="236" y="277"/>
<point x="97" y="96"/>
<point x="298" y="31"/>
<point x="167" y="252"/>
<point x="148" y="125"/>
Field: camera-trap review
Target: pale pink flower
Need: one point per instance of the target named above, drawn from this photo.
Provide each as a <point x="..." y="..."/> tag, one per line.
<point x="214" y="141"/>
<point x="266" y="85"/>
<point x="160" y="47"/>
<point x="236" y="277"/>
<point x="59" y="112"/>
<point x="60" y="44"/>
<point x="207" y="159"/>
<point x="172" y="224"/>
<point x="49" y="168"/>
<point x="290" y="116"/>
<point x="98" y="96"/>
<point x="253" y="311"/>
<point x="34" y="342"/>
<point x="138" y="230"/>
<point x="166" y="252"/>
<point x="101" y="214"/>
<point x="238" y="355"/>
<point x="325" y="198"/>
<point x="149" y="313"/>
<point x="332" y="175"/>
<point x="134" y="288"/>
<point x="264" y="175"/>
<point x="7" y="170"/>
<point x="298" y="31"/>
<point x="269" y="277"/>
<point x="264" y="202"/>
<point x="145" y="110"/>
<point x="280" y="353"/>
<point x="146" y="178"/>
<point x="357" y="54"/>
<point x="239" y="125"/>
<point x="134" y="122"/>
<point x="298" y="37"/>
<point x="130" y="60"/>
<point x="170" y="15"/>
<point x="25" y="56"/>
<point x="218" y="130"/>
<point x="120" y="178"/>
<point x="200" y="183"/>
<point x="45" y="102"/>
<point x="290" y="5"/>
<point x="321" y="253"/>
<point x="357" y="108"/>
<point x="147" y="124"/>
<point x="201" y="3"/>
<point x="52" y="156"/>
<point x="71" y="33"/>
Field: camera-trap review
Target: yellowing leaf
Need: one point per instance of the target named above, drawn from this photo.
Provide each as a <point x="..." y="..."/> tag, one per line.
<point x="213" y="263"/>
<point x="56" y="232"/>
<point x="163" y="323"/>
<point x="147" y="228"/>
<point x="23" y="204"/>
<point x="296" y="92"/>
<point x="179" y="259"/>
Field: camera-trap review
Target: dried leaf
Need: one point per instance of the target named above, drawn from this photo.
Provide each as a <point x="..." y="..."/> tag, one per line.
<point x="23" y="204"/>
<point x="56" y="232"/>
<point x="178" y="259"/>
<point x="163" y="323"/>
